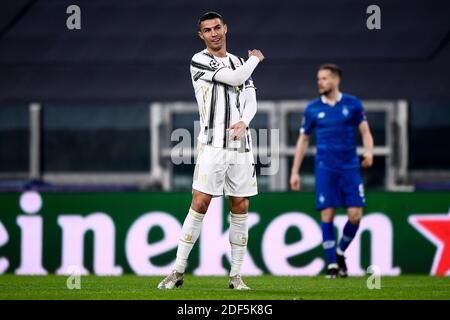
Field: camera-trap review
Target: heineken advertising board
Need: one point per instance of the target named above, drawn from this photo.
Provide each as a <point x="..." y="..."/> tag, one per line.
<point x="118" y="233"/>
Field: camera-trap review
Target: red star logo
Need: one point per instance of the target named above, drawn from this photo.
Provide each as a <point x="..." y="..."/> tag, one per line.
<point x="436" y="228"/>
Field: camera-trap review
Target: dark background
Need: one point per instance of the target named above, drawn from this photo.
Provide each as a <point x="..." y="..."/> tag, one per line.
<point x="141" y="49"/>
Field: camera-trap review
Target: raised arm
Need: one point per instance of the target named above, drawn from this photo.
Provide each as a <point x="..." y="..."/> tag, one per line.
<point x="240" y="75"/>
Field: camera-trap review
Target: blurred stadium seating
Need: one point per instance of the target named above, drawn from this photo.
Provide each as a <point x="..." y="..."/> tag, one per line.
<point x="94" y="85"/>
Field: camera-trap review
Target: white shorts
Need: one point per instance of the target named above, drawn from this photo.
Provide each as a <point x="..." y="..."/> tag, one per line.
<point x="221" y="171"/>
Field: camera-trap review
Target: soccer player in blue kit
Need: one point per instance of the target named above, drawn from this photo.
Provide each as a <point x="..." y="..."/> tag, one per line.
<point x="335" y="116"/>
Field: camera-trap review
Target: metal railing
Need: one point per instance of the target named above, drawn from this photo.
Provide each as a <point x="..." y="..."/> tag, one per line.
<point x="160" y="172"/>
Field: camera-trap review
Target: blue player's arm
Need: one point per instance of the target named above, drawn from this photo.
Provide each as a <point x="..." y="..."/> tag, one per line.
<point x="300" y="150"/>
<point x="367" y="140"/>
<point x="301" y="147"/>
<point x="360" y="120"/>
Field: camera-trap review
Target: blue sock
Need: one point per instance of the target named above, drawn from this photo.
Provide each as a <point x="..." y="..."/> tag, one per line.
<point x="329" y="243"/>
<point x="348" y="235"/>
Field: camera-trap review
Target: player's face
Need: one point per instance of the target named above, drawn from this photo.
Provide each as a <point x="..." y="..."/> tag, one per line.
<point x="213" y="32"/>
<point x="326" y="81"/>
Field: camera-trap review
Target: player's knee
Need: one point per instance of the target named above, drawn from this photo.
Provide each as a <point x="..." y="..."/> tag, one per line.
<point x="200" y="204"/>
<point x="355" y="216"/>
<point x="239" y="206"/>
<point x="355" y="219"/>
<point x="327" y="215"/>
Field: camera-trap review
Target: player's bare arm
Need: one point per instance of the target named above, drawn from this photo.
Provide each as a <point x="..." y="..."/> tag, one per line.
<point x="300" y="150"/>
<point x="367" y="140"/>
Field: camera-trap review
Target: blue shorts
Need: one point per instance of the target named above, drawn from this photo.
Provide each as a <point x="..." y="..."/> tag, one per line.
<point x="338" y="189"/>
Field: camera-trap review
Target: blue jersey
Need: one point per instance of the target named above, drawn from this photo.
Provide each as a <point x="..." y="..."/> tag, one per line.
<point x="335" y="128"/>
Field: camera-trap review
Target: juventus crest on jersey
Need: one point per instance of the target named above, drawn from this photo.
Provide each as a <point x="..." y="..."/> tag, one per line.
<point x="219" y="105"/>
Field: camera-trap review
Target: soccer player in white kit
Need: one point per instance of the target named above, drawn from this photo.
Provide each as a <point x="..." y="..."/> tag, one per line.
<point x="226" y="100"/>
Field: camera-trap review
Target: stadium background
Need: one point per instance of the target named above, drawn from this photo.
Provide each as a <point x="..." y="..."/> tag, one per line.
<point x="86" y="118"/>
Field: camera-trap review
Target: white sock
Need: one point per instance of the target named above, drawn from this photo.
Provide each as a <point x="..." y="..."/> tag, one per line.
<point x="189" y="235"/>
<point x="238" y="241"/>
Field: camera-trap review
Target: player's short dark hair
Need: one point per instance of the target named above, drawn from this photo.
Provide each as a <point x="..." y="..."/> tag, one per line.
<point x="209" y="16"/>
<point x="333" y="68"/>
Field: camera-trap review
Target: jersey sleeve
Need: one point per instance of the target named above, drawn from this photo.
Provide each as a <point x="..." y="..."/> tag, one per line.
<point x="359" y="115"/>
<point x="204" y="67"/>
<point x="249" y="83"/>
<point x="308" y="122"/>
<point x="236" y="76"/>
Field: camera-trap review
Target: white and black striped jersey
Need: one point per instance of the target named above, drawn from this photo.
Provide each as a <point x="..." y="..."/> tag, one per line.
<point x="220" y="105"/>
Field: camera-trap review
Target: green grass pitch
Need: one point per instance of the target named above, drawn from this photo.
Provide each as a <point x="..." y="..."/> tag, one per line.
<point x="216" y="288"/>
